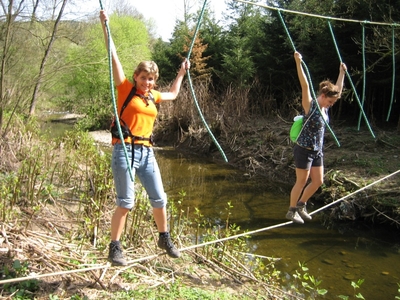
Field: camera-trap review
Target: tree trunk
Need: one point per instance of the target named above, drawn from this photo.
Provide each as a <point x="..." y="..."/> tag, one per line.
<point x="43" y="63"/>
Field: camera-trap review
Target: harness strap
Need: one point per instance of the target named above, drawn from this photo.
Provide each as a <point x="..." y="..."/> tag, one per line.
<point x="128" y="133"/>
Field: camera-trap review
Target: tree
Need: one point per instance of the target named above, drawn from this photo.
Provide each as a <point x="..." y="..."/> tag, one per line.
<point x="45" y="58"/>
<point x="85" y="88"/>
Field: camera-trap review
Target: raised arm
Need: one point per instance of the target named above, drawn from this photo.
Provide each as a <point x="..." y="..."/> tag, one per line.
<point x="305" y="88"/>
<point x="339" y="81"/>
<point x="118" y="72"/>
<point x="176" y="86"/>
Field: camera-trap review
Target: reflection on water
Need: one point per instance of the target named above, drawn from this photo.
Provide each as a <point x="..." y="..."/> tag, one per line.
<point x="333" y="257"/>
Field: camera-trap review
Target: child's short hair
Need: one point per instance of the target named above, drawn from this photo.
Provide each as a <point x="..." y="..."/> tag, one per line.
<point x="148" y="67"/>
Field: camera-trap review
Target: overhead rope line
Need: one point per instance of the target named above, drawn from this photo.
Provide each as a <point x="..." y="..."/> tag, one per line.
<point x="351" y="81"/>
<point x="364" y="74"/>
<point x="309" y="77"/>
<point x="318" y="16"/>
<point x="393" y="76"/>
<point x="191" y="85"/>
<point x="110" y="68"/>
<point x="132" y="262"/>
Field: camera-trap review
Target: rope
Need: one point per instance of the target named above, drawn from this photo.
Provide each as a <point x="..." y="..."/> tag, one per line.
<point x="364" y="74"/>
<point x="192" y="89"/>
<point x="110" y="70"/>
<point x="308" y="76"/>
<point x="349" y="78"/>
<point x="132" y="262"/>
<point x="393" y="76"/>
<point x="317" y="16"/>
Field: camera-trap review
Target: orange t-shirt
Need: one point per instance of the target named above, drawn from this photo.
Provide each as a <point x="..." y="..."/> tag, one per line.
<point x="139" y="115"/>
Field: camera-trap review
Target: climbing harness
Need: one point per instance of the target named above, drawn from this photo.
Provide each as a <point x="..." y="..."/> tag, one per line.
<point x="126" y="132"/>
<point x="133" y="262"/>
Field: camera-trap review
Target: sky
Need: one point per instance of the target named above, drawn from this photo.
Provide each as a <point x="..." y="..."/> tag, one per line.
<point x="165" y="12"/>
<point x="162" y="12"/>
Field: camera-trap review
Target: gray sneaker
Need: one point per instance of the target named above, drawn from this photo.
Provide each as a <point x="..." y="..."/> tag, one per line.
<point x="164" y="242"/>
<point x="294" y="216"/>
<point x="302" y="210"/>
<point x="115" y="255"/>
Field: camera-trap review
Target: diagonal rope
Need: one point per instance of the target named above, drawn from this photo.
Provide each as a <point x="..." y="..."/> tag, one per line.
<point x="244" y="234"/>
<point x="349" y="78"/>
<point x="192" y="89"/>
<point x="308" y="76"/>
<point x="110" y="69"/>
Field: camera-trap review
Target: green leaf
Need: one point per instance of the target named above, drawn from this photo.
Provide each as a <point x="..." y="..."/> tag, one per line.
<point x="359" y="296"/>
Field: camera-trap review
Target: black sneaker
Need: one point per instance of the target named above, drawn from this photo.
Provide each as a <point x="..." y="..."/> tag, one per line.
<point x="115" y="255"/>
<point x="164" y="242"/>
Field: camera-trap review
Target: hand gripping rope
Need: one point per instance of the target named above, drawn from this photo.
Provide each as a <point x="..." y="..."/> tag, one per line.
<point x="190" y="84"/>
<point x="309" y="78"/>
<point x="393" y="25"/>
<point x="113" y="98"/>
<point x="351" y="82"/>
<point x="134" y="262"/>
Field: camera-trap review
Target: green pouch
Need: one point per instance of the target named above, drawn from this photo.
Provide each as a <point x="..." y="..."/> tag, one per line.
<point x="296" y="128"/>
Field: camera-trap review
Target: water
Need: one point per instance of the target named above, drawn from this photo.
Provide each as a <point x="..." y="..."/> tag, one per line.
<point x="337" y="257"/>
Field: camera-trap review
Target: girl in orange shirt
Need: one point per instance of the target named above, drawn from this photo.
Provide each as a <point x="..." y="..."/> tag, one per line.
<point x="139" y="115"/>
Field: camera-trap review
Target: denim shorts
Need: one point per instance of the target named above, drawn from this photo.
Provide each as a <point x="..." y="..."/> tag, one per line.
<point x="305" y="158"/>
<point x="145" y="167"/>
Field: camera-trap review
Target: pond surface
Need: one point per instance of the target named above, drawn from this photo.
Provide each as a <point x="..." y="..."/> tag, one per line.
<point x="337" y="257"/>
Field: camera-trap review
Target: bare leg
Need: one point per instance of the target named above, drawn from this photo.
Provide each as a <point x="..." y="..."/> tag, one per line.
<point x="160" y="217"/>
<point x="317" y="179"/>
<point x="118" y="222"/>
<point x="301" y="180"/>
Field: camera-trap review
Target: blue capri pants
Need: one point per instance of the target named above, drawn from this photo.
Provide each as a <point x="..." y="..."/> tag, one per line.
<point x="145" y="167"/>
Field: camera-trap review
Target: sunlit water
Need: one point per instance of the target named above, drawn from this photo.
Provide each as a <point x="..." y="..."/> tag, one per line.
<point x="336" y="258"/>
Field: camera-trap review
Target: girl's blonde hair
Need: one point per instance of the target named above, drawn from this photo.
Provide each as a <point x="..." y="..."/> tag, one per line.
<point x="148" y="67"/>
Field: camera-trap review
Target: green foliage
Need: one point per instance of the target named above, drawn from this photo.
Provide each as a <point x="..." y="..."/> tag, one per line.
<point x="89" y="79"/>
<point x="168" y="56"/>
<point x="178" y="290"/>
<point x="166" y="60"/>
<point x="237" y="63"/>
<point x="305" y="283"/>
<point x="21" y="290"/>
<point x="355" y="285"/>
